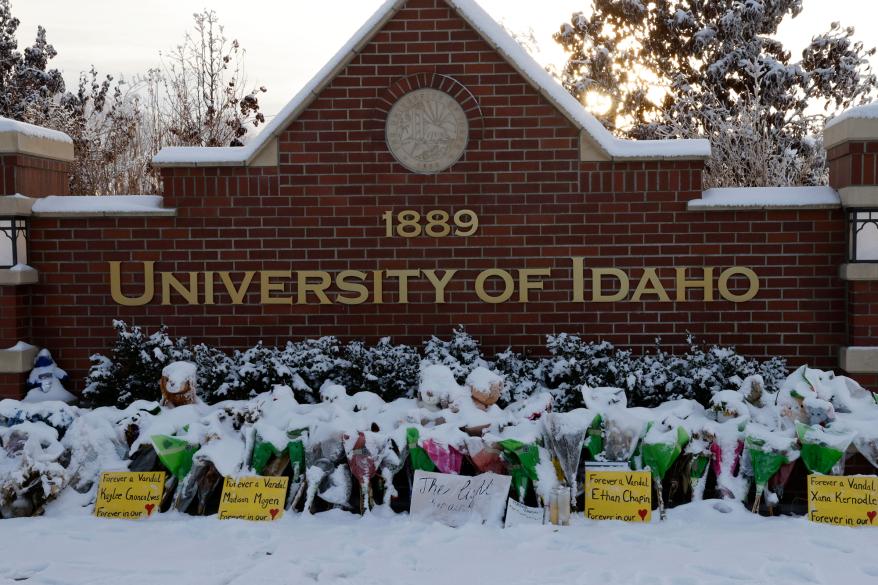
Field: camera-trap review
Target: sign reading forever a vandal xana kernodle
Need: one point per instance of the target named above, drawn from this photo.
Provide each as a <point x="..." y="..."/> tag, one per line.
<point x="493" y="286"/>
<point x="618" y="495"/>
<point x="257" y="498"/>
<point x="129" y="495"/>
<point x="843" y="501"/>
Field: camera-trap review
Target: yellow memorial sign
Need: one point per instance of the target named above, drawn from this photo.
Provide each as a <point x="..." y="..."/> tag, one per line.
<point x="256" y="498"/>
<point x="618" y="495"/>
<point x="843" y="501"/>
<point x="129" y="494"/>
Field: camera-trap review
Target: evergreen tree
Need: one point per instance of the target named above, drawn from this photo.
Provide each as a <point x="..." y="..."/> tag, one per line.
<point x="28" y="89"/>
<point x="696" y="68"/>
<point x="134" y="370"/>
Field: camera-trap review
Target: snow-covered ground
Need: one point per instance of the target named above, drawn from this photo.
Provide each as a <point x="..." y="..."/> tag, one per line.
<point x="697" y="545"/>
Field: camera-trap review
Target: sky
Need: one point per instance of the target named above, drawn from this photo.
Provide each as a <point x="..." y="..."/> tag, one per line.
<point x="288" y="41"/>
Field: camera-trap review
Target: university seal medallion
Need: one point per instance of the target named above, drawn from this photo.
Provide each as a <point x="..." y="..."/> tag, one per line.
<point x="427" y="131"/>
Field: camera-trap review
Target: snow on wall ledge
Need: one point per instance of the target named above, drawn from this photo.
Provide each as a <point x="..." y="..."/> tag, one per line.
<point x="867" y="112"/>
<point x="8" y="125"/>
<point x="767" y="198"/>
<point x="614" y="148"/>
<point x="98" y="205"/>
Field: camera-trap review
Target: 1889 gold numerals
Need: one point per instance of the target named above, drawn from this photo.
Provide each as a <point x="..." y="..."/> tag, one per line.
<point x="435" y="224"/>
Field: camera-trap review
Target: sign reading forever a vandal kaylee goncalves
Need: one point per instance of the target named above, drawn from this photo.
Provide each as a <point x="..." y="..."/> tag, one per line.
<point x="128" y="494"/>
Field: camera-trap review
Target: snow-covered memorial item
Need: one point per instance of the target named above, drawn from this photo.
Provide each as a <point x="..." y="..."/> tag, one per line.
<point x="257" y="498"/>
<point x="303" y="427"/>
<point x="456" y="500"/>
<point x="46" y="381"/>
<point x="178" y="383"/>
<point x="843" y="501"/>
<point x="129" y="495"/>
<point x="618" y="495"/>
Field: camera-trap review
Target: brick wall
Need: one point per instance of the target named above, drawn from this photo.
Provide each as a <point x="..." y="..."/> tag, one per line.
<point x="538" y="205"/>
<point x="14" y="315"/>
<point x="33" y="176"/>
<point x="14" y="327"/>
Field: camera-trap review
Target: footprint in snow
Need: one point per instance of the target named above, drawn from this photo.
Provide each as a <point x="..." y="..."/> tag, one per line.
<point x="832" y="545"/>
<point x="791" y="573"/>
<point x="871" y="571"/>
<point x="25" y="573"/>
<point x="729" y="573"/>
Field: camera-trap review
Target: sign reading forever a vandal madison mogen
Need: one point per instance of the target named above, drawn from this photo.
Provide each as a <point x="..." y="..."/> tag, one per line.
<point x="129" y="495"/>
<point x="618" y="495"/>
<point x="843" y="501"/>
<point x="494" y="285"/>
<point x="257" y="498"/>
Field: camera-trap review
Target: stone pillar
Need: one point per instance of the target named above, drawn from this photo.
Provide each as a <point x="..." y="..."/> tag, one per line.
<point x="851" y="142"/>
<point x="34" y="162"/>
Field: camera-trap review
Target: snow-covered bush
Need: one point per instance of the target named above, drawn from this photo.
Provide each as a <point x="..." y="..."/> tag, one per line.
<point x="315" y="361"/>
<point x="390" y="371"/>
<point x="214" y="368"/>
<point x="518" y="372"/>
<point x="708" y="371"/>
<point x="254" y="371"/>
<point x="575" y="362"/>
<point x="134" y="370"/>
<point x="461" y="353"/>
<point x="649" y="379"/>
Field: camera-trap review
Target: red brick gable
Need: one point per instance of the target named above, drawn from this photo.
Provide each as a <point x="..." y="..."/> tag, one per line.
<point x="337" y="148"/>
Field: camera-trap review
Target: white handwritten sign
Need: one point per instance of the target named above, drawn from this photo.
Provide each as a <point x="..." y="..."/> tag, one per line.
<point x="455" y="500"/>
<point x="518" y="514"/>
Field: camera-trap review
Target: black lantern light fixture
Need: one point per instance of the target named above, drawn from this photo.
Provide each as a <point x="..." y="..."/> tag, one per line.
<point x="863" y="235"/>
<point x="14" y="238"/>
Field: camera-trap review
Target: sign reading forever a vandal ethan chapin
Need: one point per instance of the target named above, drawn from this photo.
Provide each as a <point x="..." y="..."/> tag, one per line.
<point x="129" y="495"/>
<point x="456" y="500"/>
<point x="618" y="495"/>
<point x="843" y="501"/>
<point x="257" y="498"/>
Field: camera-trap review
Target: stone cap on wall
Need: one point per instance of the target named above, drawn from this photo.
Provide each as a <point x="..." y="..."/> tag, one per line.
<point x="18" y="359"/>
<point x="15" y="205"/>
<point x="777" y="198"/>
<point x="101" y="206"/>
<point x="21" y="138"/>
<point x="19" y="275"/>
<point x="859" y="360"/>
<point x="855" y="125"/>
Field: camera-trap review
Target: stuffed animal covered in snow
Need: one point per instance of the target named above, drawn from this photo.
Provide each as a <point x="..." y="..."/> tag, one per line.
<point x="485" y="387"/>
<point x="46" y="381"/>
<point x="179" y="384"/>
<point x="438" y="389"/>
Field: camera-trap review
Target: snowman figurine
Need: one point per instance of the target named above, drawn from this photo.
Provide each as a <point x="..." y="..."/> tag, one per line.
<point x="46" y="381"/>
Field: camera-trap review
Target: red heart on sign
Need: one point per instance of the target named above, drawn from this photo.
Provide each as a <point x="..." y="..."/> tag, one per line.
<point x="274" y="512"/>
<point x="149" y="509"/>
<point x="643" y="514"/>
<point x="871" y="516"/>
